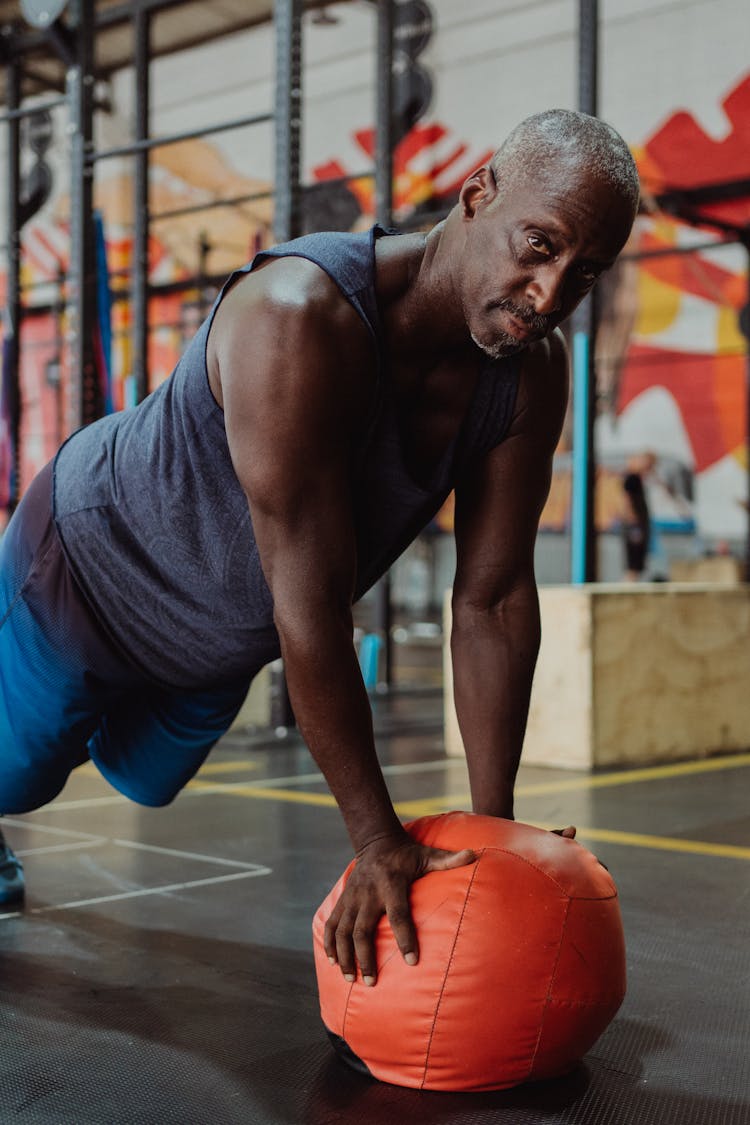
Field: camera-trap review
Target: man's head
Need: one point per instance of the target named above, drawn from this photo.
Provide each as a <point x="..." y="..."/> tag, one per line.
<point x="547" y="215"/>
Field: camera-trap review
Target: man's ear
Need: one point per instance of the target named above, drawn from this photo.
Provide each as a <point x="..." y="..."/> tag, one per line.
<point x="480" y="188"/>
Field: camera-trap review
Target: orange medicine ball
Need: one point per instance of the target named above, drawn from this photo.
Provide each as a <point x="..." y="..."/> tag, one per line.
<point x="521" y="964"/>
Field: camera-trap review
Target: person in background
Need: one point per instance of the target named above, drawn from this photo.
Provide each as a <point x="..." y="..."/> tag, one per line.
<point x="636" y="518"/>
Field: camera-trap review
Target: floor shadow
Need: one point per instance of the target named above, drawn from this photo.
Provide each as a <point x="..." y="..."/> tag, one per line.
<point x="106" y="1022"/>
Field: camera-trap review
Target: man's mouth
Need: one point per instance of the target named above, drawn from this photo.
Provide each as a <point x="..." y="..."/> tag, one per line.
<point x="521" y="329"/>
<point x="524" y="325"/>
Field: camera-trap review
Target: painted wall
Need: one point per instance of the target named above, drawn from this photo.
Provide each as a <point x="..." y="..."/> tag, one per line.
<point x="674" y="81"/>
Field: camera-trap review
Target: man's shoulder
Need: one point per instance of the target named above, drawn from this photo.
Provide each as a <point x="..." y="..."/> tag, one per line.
<point x="288" y="299"/>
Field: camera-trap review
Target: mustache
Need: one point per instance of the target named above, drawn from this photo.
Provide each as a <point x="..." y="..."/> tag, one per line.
<point x="535" y="321"/>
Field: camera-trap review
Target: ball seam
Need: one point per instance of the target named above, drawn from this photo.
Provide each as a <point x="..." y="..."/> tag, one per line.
<point x="548" y="999"/>
<point x="448" y="968"/>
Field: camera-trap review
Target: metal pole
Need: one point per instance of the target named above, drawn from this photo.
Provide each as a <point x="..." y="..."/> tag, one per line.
<point x="12" y="324"/>
<point x="287" y="220"/>
<point x="85" y="393"/>
<point x="141" y="33"/>
<point x="384" y="214"/>
<point x="18" y="114"/>
<point x="148" y="143"/>
<point x="583" y="526"/>
<point x="384" y="116"/>
<point x="287" y="217"/>
<point x="745" y="327"/>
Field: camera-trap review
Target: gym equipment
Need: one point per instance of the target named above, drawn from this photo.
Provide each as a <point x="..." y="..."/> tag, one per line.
<point x="521" y="964"/>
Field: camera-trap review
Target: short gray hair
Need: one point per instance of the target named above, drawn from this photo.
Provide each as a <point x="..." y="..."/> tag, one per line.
<point x="566" y="138"/>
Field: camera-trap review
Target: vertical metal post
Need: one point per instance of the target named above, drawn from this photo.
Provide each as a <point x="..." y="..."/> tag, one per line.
<point x="583" y="525"/>
<point x="85" y="391"/>
<point x="141" y="35"/>
<point x="12" y="319"/>
<point x="384" y="115"/>
<point x="287" y="214"/>
<point x="287" y="222"/>
<point x="384" y="214"/>
<point x="745" y="325"/>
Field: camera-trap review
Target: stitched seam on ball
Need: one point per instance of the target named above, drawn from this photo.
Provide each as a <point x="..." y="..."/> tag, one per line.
<point x="549" y="989"/>
<point x="448" y="968"/>
<point x="346" y="1012"/>
<point x="536" y="867"/>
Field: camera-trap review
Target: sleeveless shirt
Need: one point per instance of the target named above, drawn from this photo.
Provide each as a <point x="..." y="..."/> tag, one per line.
<point x="156" y="526"/>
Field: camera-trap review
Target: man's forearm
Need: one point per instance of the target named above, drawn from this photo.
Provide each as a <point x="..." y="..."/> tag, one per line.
<point x="494" y="653"/>
<point x="334" y="716"/>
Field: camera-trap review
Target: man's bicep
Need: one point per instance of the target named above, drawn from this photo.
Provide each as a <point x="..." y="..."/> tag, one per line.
<point x="289" y="438"/>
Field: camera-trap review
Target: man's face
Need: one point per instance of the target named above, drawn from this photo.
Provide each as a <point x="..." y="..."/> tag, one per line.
<point x="534" y="249"/>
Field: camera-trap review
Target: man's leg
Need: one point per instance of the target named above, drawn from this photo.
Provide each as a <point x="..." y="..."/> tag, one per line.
<point x="57" y="670"/>
<point x="150" y="745"/>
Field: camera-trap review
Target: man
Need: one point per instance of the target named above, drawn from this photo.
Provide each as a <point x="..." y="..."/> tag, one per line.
<point x="341" y="387"/>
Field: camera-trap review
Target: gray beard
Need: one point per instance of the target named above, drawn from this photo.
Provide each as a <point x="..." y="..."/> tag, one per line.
<point x="502" y="346"/>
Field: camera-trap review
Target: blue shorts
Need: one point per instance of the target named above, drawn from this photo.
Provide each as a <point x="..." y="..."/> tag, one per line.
<point x="68" y="694"/>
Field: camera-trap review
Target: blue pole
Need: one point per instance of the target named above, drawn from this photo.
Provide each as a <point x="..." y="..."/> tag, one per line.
<point x="581" y="346"/>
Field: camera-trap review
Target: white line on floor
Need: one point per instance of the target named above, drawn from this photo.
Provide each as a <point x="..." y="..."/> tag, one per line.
<point x="138" y="846"/>
<point x="265" y="782"/>
<point x="141" y="893"/>
<point x="85" y="803"/>
<point x="312" y="778"/>
<point x="61" y="847"/>
<point x="34" y="826"/>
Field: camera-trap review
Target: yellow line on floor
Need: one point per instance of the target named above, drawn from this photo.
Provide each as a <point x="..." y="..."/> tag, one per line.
<point x="428" y="805"/>
<point x="425" y="806"/>
<point x="229" y="767"/>
<point x="256" y="791"/>
<point x="629" y="777"/>
<point x="661" y="843"/>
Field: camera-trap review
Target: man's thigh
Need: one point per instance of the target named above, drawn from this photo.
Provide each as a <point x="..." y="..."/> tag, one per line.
<point x="149" y="745"/>
<point x="57" y="669"/>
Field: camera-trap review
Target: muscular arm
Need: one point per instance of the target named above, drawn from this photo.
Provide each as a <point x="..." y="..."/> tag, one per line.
<point x="293" y="403"/>
<point x="496" y="628"/>
<point x="297" y="380"/>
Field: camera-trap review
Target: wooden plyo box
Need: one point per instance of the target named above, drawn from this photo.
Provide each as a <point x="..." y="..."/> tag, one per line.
<point x="633" y="675"/>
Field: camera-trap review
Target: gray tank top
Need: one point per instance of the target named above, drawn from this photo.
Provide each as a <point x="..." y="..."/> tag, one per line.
<point x="156" y="526"/>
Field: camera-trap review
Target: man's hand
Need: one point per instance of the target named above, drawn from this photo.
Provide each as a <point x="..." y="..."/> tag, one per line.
<point x="379" y="884"/>
<point x="569" y="833"/>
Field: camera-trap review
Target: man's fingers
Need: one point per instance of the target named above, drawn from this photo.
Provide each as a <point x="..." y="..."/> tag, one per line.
<point x="364" y="944"/>
<point x="569" y="832"/>
<point x="329" y="935"/>
<point x="439" y="860"/>
<point x="399" y="916"/>
<point x="345" y="947"/>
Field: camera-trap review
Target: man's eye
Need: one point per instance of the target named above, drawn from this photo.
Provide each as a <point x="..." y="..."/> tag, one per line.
<point x="538" y="244"/>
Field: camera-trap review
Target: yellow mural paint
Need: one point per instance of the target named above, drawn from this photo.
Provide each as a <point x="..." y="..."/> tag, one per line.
<point x="729" y="338"/>
<point x="658" y="305"/>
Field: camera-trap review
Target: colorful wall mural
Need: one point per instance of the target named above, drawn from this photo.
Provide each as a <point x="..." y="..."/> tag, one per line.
<point x="670" y="357"/>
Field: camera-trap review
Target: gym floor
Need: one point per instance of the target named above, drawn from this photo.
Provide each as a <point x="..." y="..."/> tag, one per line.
<point x="161" y="970"/>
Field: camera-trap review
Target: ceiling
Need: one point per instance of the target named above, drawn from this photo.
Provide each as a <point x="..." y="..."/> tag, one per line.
<point x="175" y="25"/>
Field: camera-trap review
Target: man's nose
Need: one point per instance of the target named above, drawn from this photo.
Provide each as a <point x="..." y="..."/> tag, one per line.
<point x="545" y="290"/>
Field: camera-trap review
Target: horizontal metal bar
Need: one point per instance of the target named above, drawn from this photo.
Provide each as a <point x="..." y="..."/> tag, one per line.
<point x="123" y="13"/>
<point x="237" y="200"/>
<point x="669" y="251"/>
<point x="29" y="111"/>
<point x="234" y="201"/>
<point x="175" y="138"/>
<point x="720" y="192"/>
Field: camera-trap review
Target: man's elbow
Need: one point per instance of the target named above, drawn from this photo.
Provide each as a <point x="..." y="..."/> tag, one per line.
<point x="512" y="611"/>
